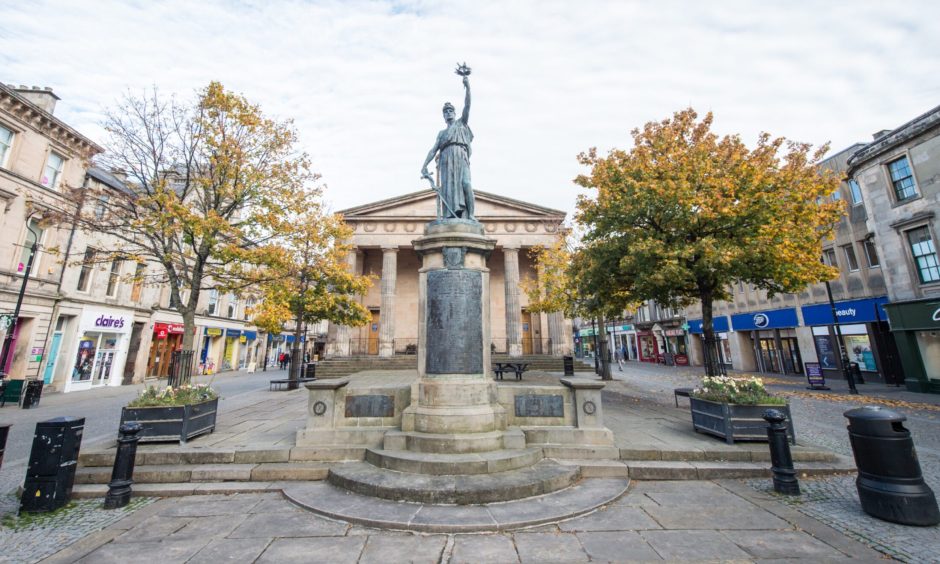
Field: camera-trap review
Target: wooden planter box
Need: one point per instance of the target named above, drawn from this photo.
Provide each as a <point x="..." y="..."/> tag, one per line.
<point x="177" y="423"/>
<point x="735" y="422"/>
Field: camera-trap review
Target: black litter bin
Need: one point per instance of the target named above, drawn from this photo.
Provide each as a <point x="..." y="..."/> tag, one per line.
<point x="51" y="471"/>
<point x="4" y="433"/>
<point x="311" y="371"/>
<point x="890" y="483"/>
<point x="569" y="365"/>
<point x="32" y="393"/>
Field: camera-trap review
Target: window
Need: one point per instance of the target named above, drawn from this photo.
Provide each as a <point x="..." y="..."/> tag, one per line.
<point x="871" y="253"/>
<point x="6" y="141"/>
<point x="902" y="179"/>
<point x="829" y="258"/>
<point x="837" y="195"/>
<point x="84" y="275"/>
<point x="101" y="207"/>
<point x="232" y="306"/>
<point x="249" y="306"/>
<point x="33" y="235"/>
<point x="856" y="192"/>
<point x="213" y="301"/>
<point x="925" y="254"/>
<point x="138" y="282"/>
<point x="114" y="277"/>
<point x="850" y="258"/>
<point x="50" y="174"/>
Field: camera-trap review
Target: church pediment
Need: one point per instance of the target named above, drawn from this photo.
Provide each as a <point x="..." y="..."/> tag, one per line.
<point x="423" y="205"/>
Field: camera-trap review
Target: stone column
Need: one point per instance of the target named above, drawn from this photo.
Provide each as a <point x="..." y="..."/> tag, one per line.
<point x="387" y="322"/>
<point x="556" y="332"/>
<point x="513" y="309"/>
<point x="341" y="346"/>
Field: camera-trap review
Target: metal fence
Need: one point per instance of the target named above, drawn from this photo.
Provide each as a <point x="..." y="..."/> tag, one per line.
<point x="181" y="368"/>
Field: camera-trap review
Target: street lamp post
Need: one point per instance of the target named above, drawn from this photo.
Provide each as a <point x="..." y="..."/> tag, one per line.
<point x="11" y="330"/>
<point x="597" y="351"/>
<point x="844" y="355"/>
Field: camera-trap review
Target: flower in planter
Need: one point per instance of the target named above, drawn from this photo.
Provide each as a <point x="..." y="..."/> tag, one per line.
<point x="152" y="396"/>
<point x="741" y="391"/>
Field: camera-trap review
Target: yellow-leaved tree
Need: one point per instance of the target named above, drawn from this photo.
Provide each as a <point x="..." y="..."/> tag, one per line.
<point x="685" y="214"/>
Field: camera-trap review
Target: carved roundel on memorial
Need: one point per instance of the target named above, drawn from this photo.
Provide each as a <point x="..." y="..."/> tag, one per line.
<point x="551" y="227"/>
<point x="490" y="227"/>
<point x="369" y="227"/>
<point x="511" y="227"/>
<point x="390" y="227"/>
<point x="530" y="226"/>
<point x="319" y="408"/>
<point x="410" y="227"/>
<point x="589" y="407"/>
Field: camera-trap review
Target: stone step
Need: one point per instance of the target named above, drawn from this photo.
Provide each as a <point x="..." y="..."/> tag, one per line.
<point x="181" y="473"/>
<point x="336" y="503"/>
<point x="440" y="464"/>
<point x="165" y="456"/>
<point x="707" y="470"/>
<point x="454" y="443"/>
<point x="178" y="489"/>
<point x="720" y="453"/>
<point x="363" y="478"/>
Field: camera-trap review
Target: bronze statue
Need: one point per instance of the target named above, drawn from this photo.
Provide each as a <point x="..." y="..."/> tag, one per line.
<point x="453" y="146"/>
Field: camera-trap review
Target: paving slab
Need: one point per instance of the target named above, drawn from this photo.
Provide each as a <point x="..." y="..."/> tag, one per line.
<point x="715" y="517"/>
<point x="483" y="549"/>
<point x="230" y="551"/>
<point x="549" y="547"/>
<point x="614" y="518"/>
<point x="417" y="549"/>
<point x="620" y="546"/>
<point x="336" y="550"/>
<point x="273" y="525"/>
<point x="782" y="544"/>
<point x="694" y="546"/>
<point x="210" y="506"/>
<point x="167" y="551"/>
<point x="153" y="529"/>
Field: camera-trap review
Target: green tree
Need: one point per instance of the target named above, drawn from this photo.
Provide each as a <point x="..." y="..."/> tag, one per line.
<point x="685" y="214"/>
<point x="203" y="182"/>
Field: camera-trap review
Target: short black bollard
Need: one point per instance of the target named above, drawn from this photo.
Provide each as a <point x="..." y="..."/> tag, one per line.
<point x="122" y="476"/>
<point x="785" y="481"/>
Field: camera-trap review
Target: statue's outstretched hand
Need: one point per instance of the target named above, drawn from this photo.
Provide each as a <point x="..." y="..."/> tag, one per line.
<point x="466" y="81"/>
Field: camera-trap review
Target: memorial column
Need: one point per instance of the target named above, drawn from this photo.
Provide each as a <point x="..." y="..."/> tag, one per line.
<point x="343" y="332"/>
<point x="387" y="321"/>
<point x="556" y="332"/>
<point x="513" y="309"/>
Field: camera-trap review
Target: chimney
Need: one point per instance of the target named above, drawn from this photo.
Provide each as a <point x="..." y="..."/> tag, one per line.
<point x="880" y="134"/>
<point x="42" y="97"/>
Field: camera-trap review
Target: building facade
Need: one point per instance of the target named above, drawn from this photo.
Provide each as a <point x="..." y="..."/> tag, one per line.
<point x="382" y="240"/>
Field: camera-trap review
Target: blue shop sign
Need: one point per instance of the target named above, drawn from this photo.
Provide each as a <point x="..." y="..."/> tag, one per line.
<point x="851" y="311"/>
<point x="250" y="335"/>
<point x="290" y="338"/>
<point x="770" y="319"/>
<point x="719" y="324"/>
<point x="233" y="333"/>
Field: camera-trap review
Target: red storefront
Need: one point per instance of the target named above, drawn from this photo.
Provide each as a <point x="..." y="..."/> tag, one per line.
<point x="167" y="337"/>
<point x="649" y="346"/>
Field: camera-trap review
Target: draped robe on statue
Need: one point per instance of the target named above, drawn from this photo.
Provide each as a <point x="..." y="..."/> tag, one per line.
<point x="454" y="169"/>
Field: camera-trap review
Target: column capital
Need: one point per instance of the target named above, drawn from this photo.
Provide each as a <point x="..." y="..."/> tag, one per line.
<point x="389" y="248"/>
<point x="513" y="248"/>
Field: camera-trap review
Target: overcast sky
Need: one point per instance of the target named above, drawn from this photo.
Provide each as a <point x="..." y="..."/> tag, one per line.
<point x="365" y="81"/>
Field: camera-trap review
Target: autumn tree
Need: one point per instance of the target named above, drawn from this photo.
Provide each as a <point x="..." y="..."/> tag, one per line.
<point x="203" y="180"/>
<point x="314" y="282"/>
<point x="685" y="214"/>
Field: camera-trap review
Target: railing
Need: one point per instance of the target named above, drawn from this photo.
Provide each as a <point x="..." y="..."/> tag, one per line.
<point x="181" y="368"/>
<point x="406" y="346"/>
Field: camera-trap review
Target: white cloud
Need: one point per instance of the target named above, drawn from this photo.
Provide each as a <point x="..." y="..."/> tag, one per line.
<point x="365" y="80"/>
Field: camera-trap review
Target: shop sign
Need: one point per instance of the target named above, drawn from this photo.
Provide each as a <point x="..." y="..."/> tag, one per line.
<point x="243" y="339"/>
<point x="675" y="333"/>
<point x="771" y="319"/>
<point x="213" y="332"/>
<point x="233" y="333"/>
<point x="585" y="332"/>
<point x="105" y="322"/>
<point x="682" y="360"/>
<point x="36" y="353"/>
<point x="250" y="335"/>
<point x="719" y="324"/>
<point x="850" y="311"/>
<point x="914" y="316"/>
<point x="814" y="376"/>
<point x="175" y="328"/>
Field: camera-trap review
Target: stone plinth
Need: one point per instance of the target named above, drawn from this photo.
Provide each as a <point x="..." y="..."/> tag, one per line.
<point x="454" y="392"/>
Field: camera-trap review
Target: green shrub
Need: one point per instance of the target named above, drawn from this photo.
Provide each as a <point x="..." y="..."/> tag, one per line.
<point x="740" y="391"/>
<point x="153" y="396"/>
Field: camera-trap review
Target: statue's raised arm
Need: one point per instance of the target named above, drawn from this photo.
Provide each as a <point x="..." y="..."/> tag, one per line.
<point x="465" y="115"/>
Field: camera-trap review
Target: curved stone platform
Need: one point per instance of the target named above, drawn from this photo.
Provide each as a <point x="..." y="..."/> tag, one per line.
<point x="443" y="464"/>
<point x="462" y="489"/>
<point x="337" y="503"/>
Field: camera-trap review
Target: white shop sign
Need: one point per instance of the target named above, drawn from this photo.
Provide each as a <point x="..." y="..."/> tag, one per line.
<point x="106" y="321"/>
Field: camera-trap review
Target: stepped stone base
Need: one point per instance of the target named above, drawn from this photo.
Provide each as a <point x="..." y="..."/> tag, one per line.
<point x="541" y="478"/>
<point x="329" y="501"/>
<point x="454" y="443"/>
<point x="443" y="464"/>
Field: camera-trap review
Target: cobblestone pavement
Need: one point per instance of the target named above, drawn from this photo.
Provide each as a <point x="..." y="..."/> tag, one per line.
<point x="654" y="521"/>
<point x="818" y="420"/>
<point x="30" y="538"/>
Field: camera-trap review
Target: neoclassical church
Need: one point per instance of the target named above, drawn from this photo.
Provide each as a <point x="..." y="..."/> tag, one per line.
<point x="383" y="235"/>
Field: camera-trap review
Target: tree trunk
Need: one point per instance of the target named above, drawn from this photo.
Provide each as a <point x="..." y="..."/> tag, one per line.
<point x="712" y="360"/>
<point x="604" y="351"/>
<point x="296" y="358"/>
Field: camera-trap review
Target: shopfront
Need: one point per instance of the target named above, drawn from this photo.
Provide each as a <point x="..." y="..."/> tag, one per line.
<point x="773" y="339"/>
<point x="721" y="327"/>
<point x="864" y="336"/>
<point x="167" y="337"/>
<point x="648" y="346"/>
<point x="246" y="344"/>
<point x="211" y="347"/>
<point x="916" y="329"/>
<point x="677" y="351"/>
<point x="230" y="349"/>
<point x="99" y="354"/>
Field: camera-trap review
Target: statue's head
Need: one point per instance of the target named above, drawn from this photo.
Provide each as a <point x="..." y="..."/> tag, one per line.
<point x="449" y="112"/>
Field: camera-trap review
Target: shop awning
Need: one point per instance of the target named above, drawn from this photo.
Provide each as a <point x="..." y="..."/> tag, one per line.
<point x="851" y="311"/>
<point x="719" y="324"/>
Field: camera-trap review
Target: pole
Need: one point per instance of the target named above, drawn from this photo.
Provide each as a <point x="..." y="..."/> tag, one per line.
<point x="844" y="356"/>
<point x="597" y="351"/>
<point x="122" y="475"/>
<point x="11" y="330"/>
<point x="781" y="460"/>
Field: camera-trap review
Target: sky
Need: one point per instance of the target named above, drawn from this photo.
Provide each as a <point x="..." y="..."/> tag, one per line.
<point x="364" y="82"/>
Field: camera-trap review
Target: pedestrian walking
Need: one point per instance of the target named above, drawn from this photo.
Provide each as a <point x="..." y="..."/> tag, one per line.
<point x="620" y="358"/>
<point x="286" y="360"/>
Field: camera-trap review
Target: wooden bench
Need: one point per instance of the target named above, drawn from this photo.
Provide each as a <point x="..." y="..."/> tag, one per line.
<point x="684" y="392"/>
<point x="285" y="382"/>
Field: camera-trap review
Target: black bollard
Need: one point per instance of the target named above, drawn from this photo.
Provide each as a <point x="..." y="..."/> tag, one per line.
<point x="122" y="476"/>
<point x="785" y="481"/>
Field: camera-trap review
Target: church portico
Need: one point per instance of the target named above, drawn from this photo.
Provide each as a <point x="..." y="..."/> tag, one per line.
<point x="383" y="235"/>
